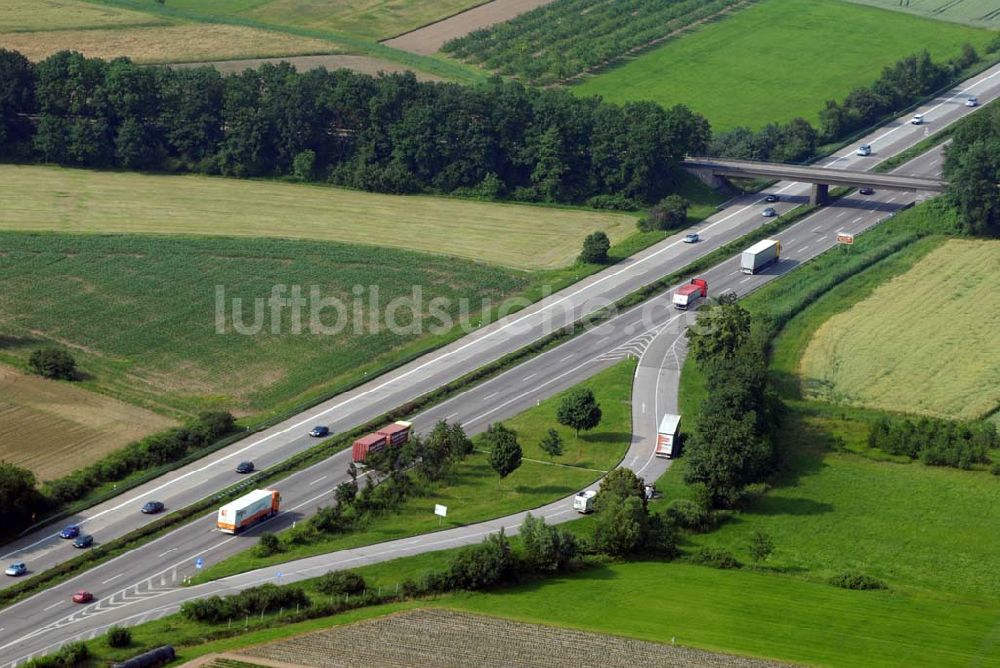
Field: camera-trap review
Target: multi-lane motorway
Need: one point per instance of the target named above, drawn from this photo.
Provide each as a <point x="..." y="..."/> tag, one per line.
<point x="146" y="583"/>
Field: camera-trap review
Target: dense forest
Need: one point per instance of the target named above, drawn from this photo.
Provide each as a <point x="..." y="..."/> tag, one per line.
<point x="972" y="167"/>
<point x="386" y="134"/>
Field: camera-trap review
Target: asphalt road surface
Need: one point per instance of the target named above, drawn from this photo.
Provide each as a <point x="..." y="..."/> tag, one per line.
<point x="145" y="584"/>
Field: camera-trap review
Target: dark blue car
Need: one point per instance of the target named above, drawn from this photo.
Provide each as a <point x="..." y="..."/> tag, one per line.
<point x="320" y="430"/>
<point x="72" y="531"/>
<point x="83" y="541"/>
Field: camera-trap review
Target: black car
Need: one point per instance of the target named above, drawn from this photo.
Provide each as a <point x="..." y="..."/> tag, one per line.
<point x="320" y="430"/>
<point x="83" y="541"/>
<point x="152" y="507"/>
<point x="244" y="467"/>
<point x="771" y="198"/>
<point x="867" y="191"/>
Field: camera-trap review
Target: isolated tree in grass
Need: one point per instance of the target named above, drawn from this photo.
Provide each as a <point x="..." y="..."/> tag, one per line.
<point x="721" y="329"/>
<point x="595" y="248"/>
<point x="552" y="443"/>
<point x="579" y="411"/>
<point x="669" y="214"/>
<point x="761" y="546"/>
<point x="505" y="451"/>
<point x="119" y="636"/>
<point x="53" y="363"/>
<point x="619" y="485"/>
<point x="620" y="527"/>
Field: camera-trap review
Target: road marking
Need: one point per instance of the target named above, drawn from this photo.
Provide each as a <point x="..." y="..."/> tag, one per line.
<point x="114" y="577"/>
<point x="56" y="604"/>
<point x="527" y="378"/>
<point x="566" y="358"/>
<point x="319" y="479"/>
<point x="891" y="199"/>
<point x="802" y="249"/>
<point x="746" y="279"/>
<point x="817" y="229"/>
<point x="163" y="554"/>
<point x="490" y="396"/>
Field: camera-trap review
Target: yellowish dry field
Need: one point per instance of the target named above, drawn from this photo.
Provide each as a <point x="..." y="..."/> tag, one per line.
<point x="29" y="15"/>
<point x="165" y="44"/>
<point x="54" y="428"/>
<point x="76" y="200"/>
<point x="926" y="342"/>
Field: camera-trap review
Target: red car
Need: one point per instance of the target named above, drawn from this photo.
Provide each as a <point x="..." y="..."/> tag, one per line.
<point x="83" y="597"/>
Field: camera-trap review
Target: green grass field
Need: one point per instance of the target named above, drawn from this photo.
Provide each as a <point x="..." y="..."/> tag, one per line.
<point x="471" y="492"/>
<point x="32" y="15"/>
<point x="984" y="13"/>
<point x="515" y="235"/>
<point x="924" y="342"/>
<point x="139" y="313"/>
<point x="774" y="60"/>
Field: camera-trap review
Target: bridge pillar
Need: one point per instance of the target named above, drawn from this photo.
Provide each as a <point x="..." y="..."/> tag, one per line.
<point x="820" y="194"/>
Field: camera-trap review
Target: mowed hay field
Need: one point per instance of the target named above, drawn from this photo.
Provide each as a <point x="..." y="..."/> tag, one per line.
<point x="141" y="313"/>
<point x="984" y="13"/>
<point x="54" y="428"/>
<point x="777" y="59"/>
<point x="376" y="19"/>
<point x="167" y="44"/>
<point x="519" y="236"/>
<point x="926" y="342"/>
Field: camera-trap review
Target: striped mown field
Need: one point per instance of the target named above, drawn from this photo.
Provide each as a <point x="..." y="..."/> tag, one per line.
<point x="36" y="198"/>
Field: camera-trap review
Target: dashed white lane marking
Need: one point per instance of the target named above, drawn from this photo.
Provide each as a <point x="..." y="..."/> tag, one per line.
<point x="529" y="377"/>
<point x="746" y="279"/>
<point x="163" y="554"/>
<point x="566" y="358"/>
<point x="490" y="396"/>
<point x="112" y="578"/>
<point x="317" y="480"/>
<point x="56" y="604"/>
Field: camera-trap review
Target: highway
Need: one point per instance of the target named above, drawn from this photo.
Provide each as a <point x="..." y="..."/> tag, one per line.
<point x="145" y="583"/>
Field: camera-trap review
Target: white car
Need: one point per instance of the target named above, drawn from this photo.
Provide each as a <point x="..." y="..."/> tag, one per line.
<point x="16" y="569"/>
<point x="864" y="149"/>
<point x="972" y="101"/>
<point x="918" y="119"/>
<point x="692" y="238"/>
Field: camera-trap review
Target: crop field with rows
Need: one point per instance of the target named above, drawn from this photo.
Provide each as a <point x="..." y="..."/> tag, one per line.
<point x="756" y="66"/>
<point x="438" y="638"/>
<point x="140" y="313"/>
<point x="563" y="39"/>
<point x="984" y="13"/>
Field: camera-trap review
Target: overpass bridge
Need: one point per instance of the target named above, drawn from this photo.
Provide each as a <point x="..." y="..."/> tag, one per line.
<point x="821" y="177"/>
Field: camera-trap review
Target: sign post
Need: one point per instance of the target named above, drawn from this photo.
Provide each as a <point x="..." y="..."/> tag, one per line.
<point x="441" y="512"/>
<point x="845" y="238"/>
<point x="199" y="563"/>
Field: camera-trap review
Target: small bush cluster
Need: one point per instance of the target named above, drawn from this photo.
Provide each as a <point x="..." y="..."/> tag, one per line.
<point x="54" y="363"/>
<point x="339" y="583"/>
<point x="118" y="637"/>
<point x="936" y="442"/>
<point x="70" y="655"/>
<point x="856" y="580"/>
<point x="253" y="601"/>
<point x="716" y="557"/>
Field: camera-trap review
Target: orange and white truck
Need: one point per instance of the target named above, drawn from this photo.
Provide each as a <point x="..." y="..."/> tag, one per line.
<point x="249" y="509"/>
<point x="687" y="295"/>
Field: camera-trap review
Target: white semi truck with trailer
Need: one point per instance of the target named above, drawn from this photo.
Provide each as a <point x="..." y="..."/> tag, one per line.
<point x="760" y="255"/>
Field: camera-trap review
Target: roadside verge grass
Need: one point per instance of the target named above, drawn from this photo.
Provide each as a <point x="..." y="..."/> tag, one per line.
<point x="471" y="492"/>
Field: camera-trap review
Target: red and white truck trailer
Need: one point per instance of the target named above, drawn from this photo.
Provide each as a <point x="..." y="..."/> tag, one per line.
<point x="686" y="295"/>
<point x="247" y="510"/>
<point x="668" y="436"/>
<point x="395" y="434"/>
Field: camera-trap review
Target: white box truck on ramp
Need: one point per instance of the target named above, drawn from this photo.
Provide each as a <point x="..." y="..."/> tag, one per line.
<point x="760" y="255"/>
<point x="668" y="435"/>
<point x="584" y="502"/>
